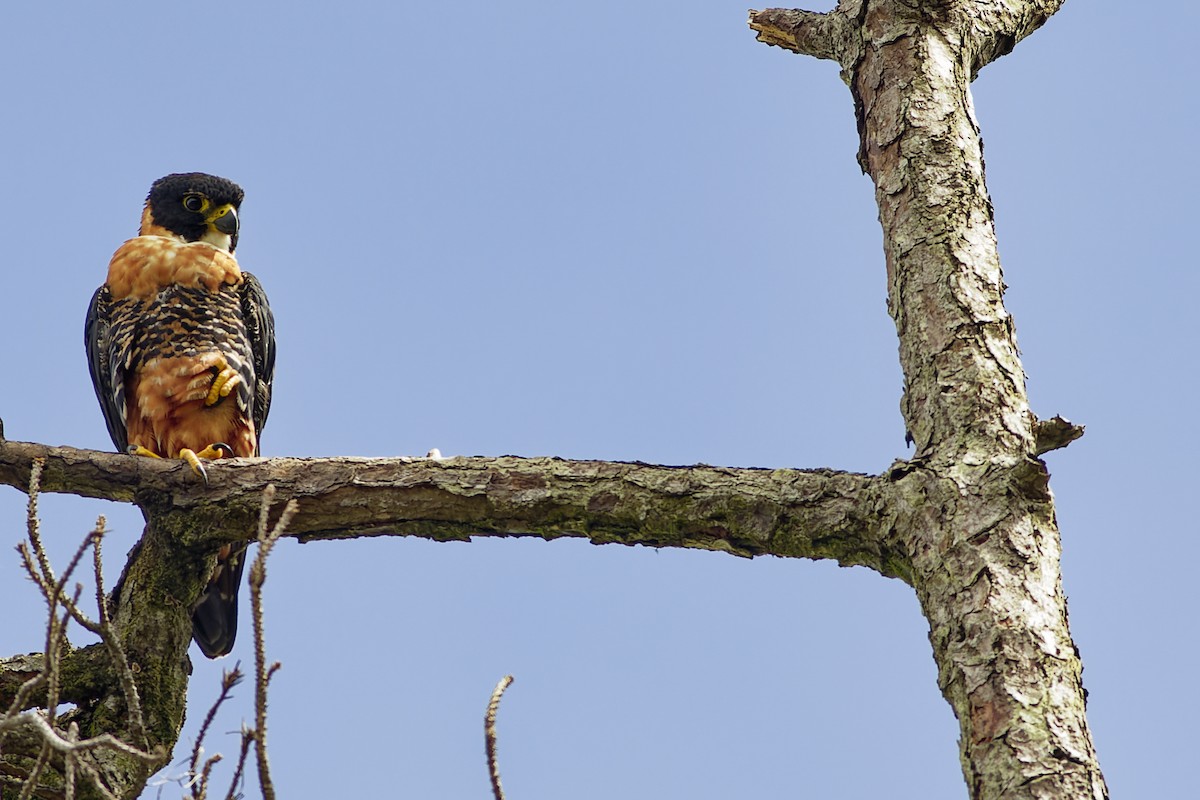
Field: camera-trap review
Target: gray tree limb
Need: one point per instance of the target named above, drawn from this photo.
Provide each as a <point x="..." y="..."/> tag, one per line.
<point x="747" y="512"/>
<point x="984" y="542"/>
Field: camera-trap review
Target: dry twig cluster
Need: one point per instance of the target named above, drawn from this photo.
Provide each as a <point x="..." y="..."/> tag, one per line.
<point x="35" y="705"/>
<point x="60" y="735"/>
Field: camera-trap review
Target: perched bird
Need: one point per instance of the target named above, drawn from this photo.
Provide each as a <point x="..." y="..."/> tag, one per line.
<point x="181" y="346"/>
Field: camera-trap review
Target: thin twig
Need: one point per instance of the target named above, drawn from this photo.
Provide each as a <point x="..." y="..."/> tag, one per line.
<point x="52" y="590"/>
<point x="262" y="675"/>
<point x="200" y="791"/>
<point x="229" y="679"/>
<point x="53" y="662"/>
<point x="69" y="762"/>
<point x="247" y="740"/>
<point x="97" y="536"/>
<point x="489" y="735"/>
<point x="112" y="643"/>
<point x="31" y="517"/>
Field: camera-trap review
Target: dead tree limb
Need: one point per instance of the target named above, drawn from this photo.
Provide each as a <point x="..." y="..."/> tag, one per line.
<point x="747" y="512"/>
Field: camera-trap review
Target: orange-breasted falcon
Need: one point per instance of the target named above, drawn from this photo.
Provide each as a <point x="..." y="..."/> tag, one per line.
<point x="181" y="345"/>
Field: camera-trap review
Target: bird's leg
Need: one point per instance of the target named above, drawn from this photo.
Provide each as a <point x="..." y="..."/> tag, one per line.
<point x="224" y="383"/>
<point x="213" y="451"/>
<point x="138" y="450"/>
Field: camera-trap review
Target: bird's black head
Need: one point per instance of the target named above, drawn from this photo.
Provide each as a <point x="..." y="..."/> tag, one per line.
<point x="196" y="207"/>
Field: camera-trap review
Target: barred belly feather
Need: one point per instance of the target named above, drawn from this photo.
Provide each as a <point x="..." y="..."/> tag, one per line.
<point x="179" y="341"/>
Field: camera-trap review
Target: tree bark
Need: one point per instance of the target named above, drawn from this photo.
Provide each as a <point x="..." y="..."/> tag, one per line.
<point x="968" y="522"/>
<point x="984" y="544"/>
<point x="746" y="512"/>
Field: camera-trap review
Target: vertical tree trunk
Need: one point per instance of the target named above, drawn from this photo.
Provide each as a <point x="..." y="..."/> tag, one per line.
<point x="975" y="507"/>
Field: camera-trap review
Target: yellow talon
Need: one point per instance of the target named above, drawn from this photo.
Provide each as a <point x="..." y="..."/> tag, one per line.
<point x="194" y="462"/>
<point x="210" y="453"/>
<point x="222" y="385"/>
<point x="216" y="450"/>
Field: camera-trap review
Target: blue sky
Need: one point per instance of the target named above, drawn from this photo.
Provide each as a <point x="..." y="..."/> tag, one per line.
<point x="620" y="232"/>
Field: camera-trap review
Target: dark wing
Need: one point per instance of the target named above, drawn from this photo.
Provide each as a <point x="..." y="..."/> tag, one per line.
<point x="260" y="328"/>
<point x="214" y="619"/>
<point x="109" y="383"/>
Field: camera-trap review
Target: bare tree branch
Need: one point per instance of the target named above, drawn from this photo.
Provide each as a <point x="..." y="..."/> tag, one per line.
<point x="229" y="679"/>
<point x="746" y="512"/>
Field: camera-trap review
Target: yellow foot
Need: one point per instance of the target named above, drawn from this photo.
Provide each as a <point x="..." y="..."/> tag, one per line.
<point x="138" y="450"/>
<point x="225" y="382"/>
<point x="213" y="451"/>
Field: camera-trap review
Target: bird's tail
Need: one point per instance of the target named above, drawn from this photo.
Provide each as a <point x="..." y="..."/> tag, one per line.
<point x="214" y="620"/>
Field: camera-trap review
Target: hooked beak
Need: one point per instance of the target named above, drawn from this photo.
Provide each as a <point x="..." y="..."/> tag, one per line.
<point x="224" y="220"/>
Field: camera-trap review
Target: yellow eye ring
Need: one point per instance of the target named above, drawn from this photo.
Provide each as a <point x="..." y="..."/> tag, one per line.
<point x="193" y="202"/>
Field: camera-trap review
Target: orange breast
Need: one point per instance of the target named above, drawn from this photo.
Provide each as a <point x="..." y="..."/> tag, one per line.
<point x="181" y="305"/>
<point x="144" y="265"/>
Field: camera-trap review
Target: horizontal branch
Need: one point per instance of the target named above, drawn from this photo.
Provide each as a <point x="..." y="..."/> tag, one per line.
<point x="746" y="512"/>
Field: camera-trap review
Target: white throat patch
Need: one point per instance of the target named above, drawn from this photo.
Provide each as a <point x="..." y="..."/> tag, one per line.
<point x="219" y="240"/>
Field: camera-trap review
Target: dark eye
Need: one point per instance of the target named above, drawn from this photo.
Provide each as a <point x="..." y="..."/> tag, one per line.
<point x="193" y="202"/>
